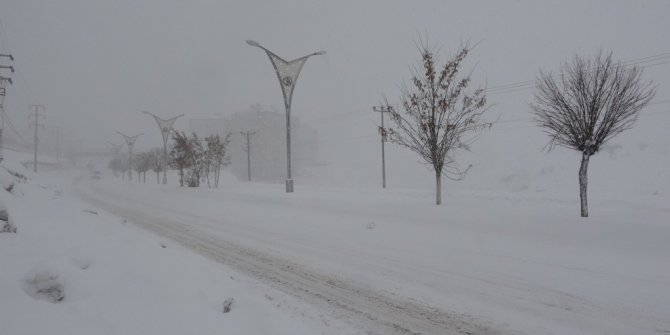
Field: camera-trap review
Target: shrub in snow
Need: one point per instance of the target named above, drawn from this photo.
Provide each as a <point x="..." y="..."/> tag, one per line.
<point x="90" y="211"/>
<point x="227" y="305"/>
<point x="57" y="194"/>
<point x="371" y="225"/>
<point x="6" y="225"/>
<point x="46" y="285"/>
<point x="6" y="180"/>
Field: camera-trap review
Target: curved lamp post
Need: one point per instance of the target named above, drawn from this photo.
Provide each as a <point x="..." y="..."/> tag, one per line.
<point x="166" y="127"/>
<point x="287" y="73"/>
<point x="130" y="141"/>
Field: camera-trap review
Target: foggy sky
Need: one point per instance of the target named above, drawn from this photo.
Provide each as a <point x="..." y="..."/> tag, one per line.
<point x="96" y="64"/>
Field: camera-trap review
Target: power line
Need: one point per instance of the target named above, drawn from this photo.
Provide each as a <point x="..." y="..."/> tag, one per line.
<point x="527" y="84"/>
<point x="337" y="140"/>
<point x="369" y="138"/>
<point x="19" y="82"/>
<point x="358" y="112"/>
<point x="503" y="88"/>
<point x="11" y="125"/>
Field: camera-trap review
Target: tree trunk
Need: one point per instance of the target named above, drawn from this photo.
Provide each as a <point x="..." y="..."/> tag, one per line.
<point x="181" y="177"/>
<point x="583" y="182"/>
<point x="438" y="188"/>
<point x="158" y="177"/>
<point x="216" y="176"/>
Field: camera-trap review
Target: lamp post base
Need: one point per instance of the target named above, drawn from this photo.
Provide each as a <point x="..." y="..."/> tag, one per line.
<point x="289" y="185"/>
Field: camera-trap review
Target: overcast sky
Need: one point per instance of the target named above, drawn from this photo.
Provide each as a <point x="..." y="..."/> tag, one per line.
<point x="96" y="64"/>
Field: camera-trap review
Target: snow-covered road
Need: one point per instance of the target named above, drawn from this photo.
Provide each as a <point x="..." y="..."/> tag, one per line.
<point x="390" y="262"/>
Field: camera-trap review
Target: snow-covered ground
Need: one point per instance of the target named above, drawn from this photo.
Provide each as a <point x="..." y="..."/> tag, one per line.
<point x="335" y="260"/>
<point x="115" y="278"/>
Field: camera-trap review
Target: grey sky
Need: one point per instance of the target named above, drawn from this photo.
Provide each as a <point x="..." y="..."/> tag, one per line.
<point x="96" y="64"/>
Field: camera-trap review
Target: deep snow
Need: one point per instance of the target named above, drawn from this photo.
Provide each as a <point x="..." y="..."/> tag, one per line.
<point x="492" y="261"/>
<point x="118" y="279"/>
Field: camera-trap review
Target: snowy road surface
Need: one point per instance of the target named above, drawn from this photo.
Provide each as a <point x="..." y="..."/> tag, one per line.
<point x="392" y="263"/>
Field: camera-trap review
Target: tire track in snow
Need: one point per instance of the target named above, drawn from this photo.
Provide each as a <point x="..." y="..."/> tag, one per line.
<point x="369" y="310"/>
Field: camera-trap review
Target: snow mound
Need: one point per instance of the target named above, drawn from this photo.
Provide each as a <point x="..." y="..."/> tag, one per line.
<point x="6" y="180"/>
<point x="46" y="284"/>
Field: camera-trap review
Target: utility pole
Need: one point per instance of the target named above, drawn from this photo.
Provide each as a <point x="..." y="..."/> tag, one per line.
<point x="58" y="144"/>
<point x="3" y="85"/>
<point x="248" y="135"/>
<point x="382" y="131"/>
<point x="3" y="92"/>
<point x="37" y="124"/>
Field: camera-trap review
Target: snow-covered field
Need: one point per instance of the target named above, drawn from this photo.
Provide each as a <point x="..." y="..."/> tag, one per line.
<point x="114" y="278"/>
<point x="333" y="260"/>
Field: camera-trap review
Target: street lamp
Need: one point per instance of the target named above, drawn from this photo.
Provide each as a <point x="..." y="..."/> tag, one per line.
<point x="287" y="73"/>
<point x="165" y="126"/>
<point x="130" y="141"/>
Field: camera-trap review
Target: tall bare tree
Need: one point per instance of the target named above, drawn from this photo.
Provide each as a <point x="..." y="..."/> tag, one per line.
<point x="590" y="102"/>
<point x="142" y="165"/>
<point x="217" y="155"/>
<point x="181" y="154"/>
<point x="156" y="159"/>
<point x="116" y="165"/>
<point x="439" y="115"/>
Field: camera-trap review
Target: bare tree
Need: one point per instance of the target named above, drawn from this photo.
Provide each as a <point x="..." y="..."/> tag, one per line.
<point x="116" y="165"/>
<point x="124" y="168"/>
<point x="187" y="155"/>
<point x="590" y="102"/>
<point x="439" y="116"/>
<point x="197" y="167"/>
<point x="156" y="162"/>
<point x="181" y="154"/>
<point x="217" y="151"/>
<point x="142" y="165"/>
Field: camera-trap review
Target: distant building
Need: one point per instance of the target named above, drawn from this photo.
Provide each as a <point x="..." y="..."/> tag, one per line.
<point x="268" y="144"/>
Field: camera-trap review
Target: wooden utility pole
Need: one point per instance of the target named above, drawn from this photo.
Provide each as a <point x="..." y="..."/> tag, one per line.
<point x="3" y="92"/>
<point x="248" y="135"/>
<point x="37" y="124"/>
<point x="382" y="131"/>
